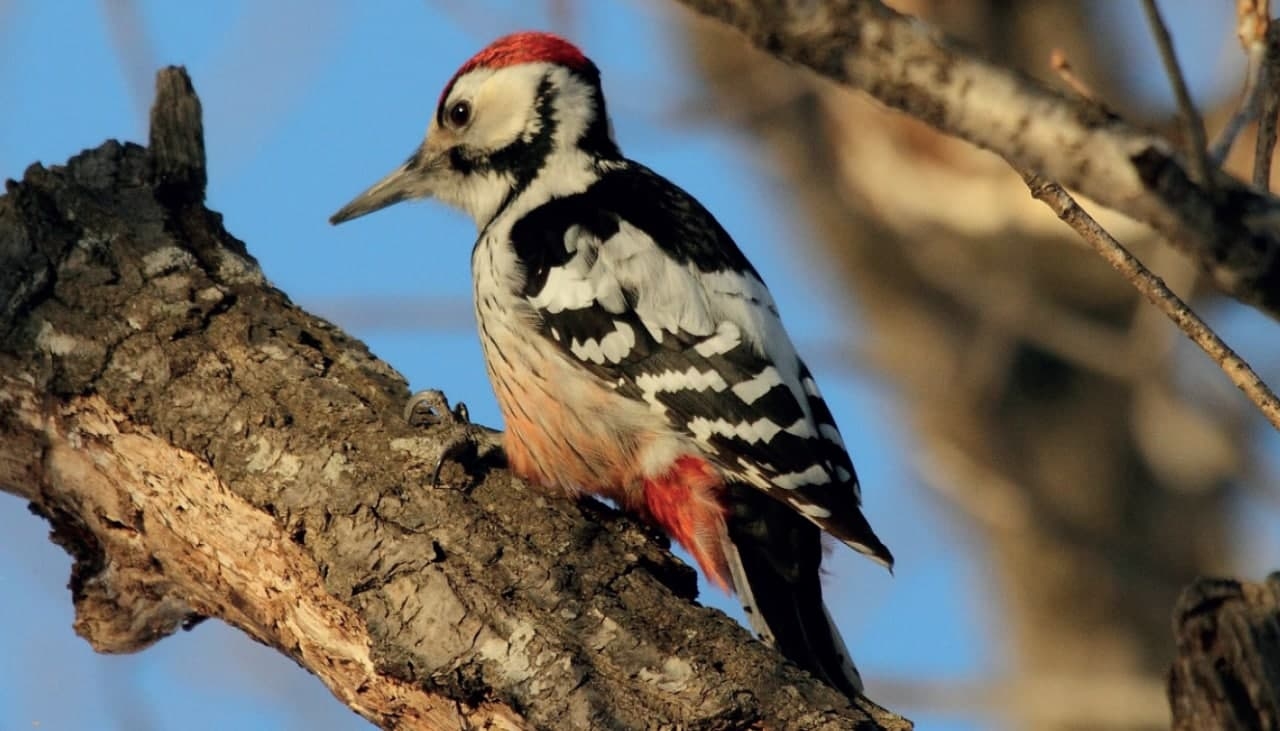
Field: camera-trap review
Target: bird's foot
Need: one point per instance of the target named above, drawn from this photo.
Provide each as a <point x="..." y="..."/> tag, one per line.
<point x="431" y="407"/>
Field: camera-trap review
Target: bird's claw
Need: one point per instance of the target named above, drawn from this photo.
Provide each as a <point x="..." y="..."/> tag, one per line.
<point x="481" y="441"/>
<point x="431" y="407"/>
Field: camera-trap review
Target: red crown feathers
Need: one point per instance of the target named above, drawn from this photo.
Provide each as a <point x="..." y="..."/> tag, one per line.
<point x="523" y="47"/>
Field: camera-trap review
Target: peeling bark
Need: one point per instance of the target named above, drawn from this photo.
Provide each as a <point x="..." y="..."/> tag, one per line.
<point x="161" y="542"/>
<point x="204" y="448"/>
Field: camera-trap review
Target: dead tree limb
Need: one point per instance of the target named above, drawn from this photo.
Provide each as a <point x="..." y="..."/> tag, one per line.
<point x="203" y="448"/>
<point x="1231" y="229"/>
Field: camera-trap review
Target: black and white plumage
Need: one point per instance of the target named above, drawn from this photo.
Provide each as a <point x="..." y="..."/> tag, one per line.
<point x="635" y="352"/>
<point x="638" y="283"/>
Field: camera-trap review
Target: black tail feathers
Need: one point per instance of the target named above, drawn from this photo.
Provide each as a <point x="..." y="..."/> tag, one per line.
<point x="774" y="558"/>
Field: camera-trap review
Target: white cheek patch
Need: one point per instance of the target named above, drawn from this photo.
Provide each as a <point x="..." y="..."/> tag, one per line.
<point x="502" y="102"/>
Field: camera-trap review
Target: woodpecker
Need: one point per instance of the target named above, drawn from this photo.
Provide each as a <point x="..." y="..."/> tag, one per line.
<point x="635" y="353"/>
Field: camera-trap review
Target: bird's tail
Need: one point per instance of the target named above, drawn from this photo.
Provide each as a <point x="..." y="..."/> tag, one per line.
<point x="774" y="554"/>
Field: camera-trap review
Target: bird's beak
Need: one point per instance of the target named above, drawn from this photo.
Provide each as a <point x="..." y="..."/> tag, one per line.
<point x="411" y="180"/>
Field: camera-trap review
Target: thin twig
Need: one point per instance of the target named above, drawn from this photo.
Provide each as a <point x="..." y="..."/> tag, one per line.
<point x="1250" y="102"/>
<point x="1252" y="21"/>
<point x="1191" y="120"/>
<point x="1154" y="289"/>
<point x="912" y="68"/>
<point x="1270" y="95"/>
<point x="1062" y="66"/>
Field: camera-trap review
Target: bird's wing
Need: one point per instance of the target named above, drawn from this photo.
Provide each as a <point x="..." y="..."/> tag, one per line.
<point x="637" y="282"/>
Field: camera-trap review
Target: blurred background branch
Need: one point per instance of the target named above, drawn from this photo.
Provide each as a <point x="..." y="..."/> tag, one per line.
<point x="1046" y="401"/>
<point x="1154" y="291"/>
<point x="1226" y="226"/>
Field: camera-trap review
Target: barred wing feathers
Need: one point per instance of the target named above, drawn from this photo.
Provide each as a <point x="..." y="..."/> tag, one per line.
<point x="636" y="281"/>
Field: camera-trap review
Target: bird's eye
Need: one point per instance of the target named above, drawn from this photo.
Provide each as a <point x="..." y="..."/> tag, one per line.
<point x="460" y="113"/>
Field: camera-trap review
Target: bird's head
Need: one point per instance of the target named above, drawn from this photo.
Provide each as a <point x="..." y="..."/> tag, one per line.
<point x="525" y="103"/>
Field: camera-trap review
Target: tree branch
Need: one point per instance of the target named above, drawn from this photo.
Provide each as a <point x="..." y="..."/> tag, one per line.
<point x="1253" y="20"/>
<point x="1192" y="123"/>
<point x="1269" y="74"/>
<point x="1157" y="293"/>
<point x="160" y="542"/>
<point x="204" y="448"/>
<point x="1227" y="675"/>
<point x="1231" y="229"/>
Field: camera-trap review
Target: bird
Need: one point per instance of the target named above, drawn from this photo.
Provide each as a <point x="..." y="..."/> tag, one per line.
<point x="635" y="353"/>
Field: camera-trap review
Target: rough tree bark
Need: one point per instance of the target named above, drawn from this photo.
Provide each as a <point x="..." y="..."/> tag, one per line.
<point x="203" y="448"/>
<point x="1227" y="675"/>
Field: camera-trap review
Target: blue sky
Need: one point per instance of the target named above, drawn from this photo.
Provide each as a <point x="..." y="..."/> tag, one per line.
<point x="306" y="103"/>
